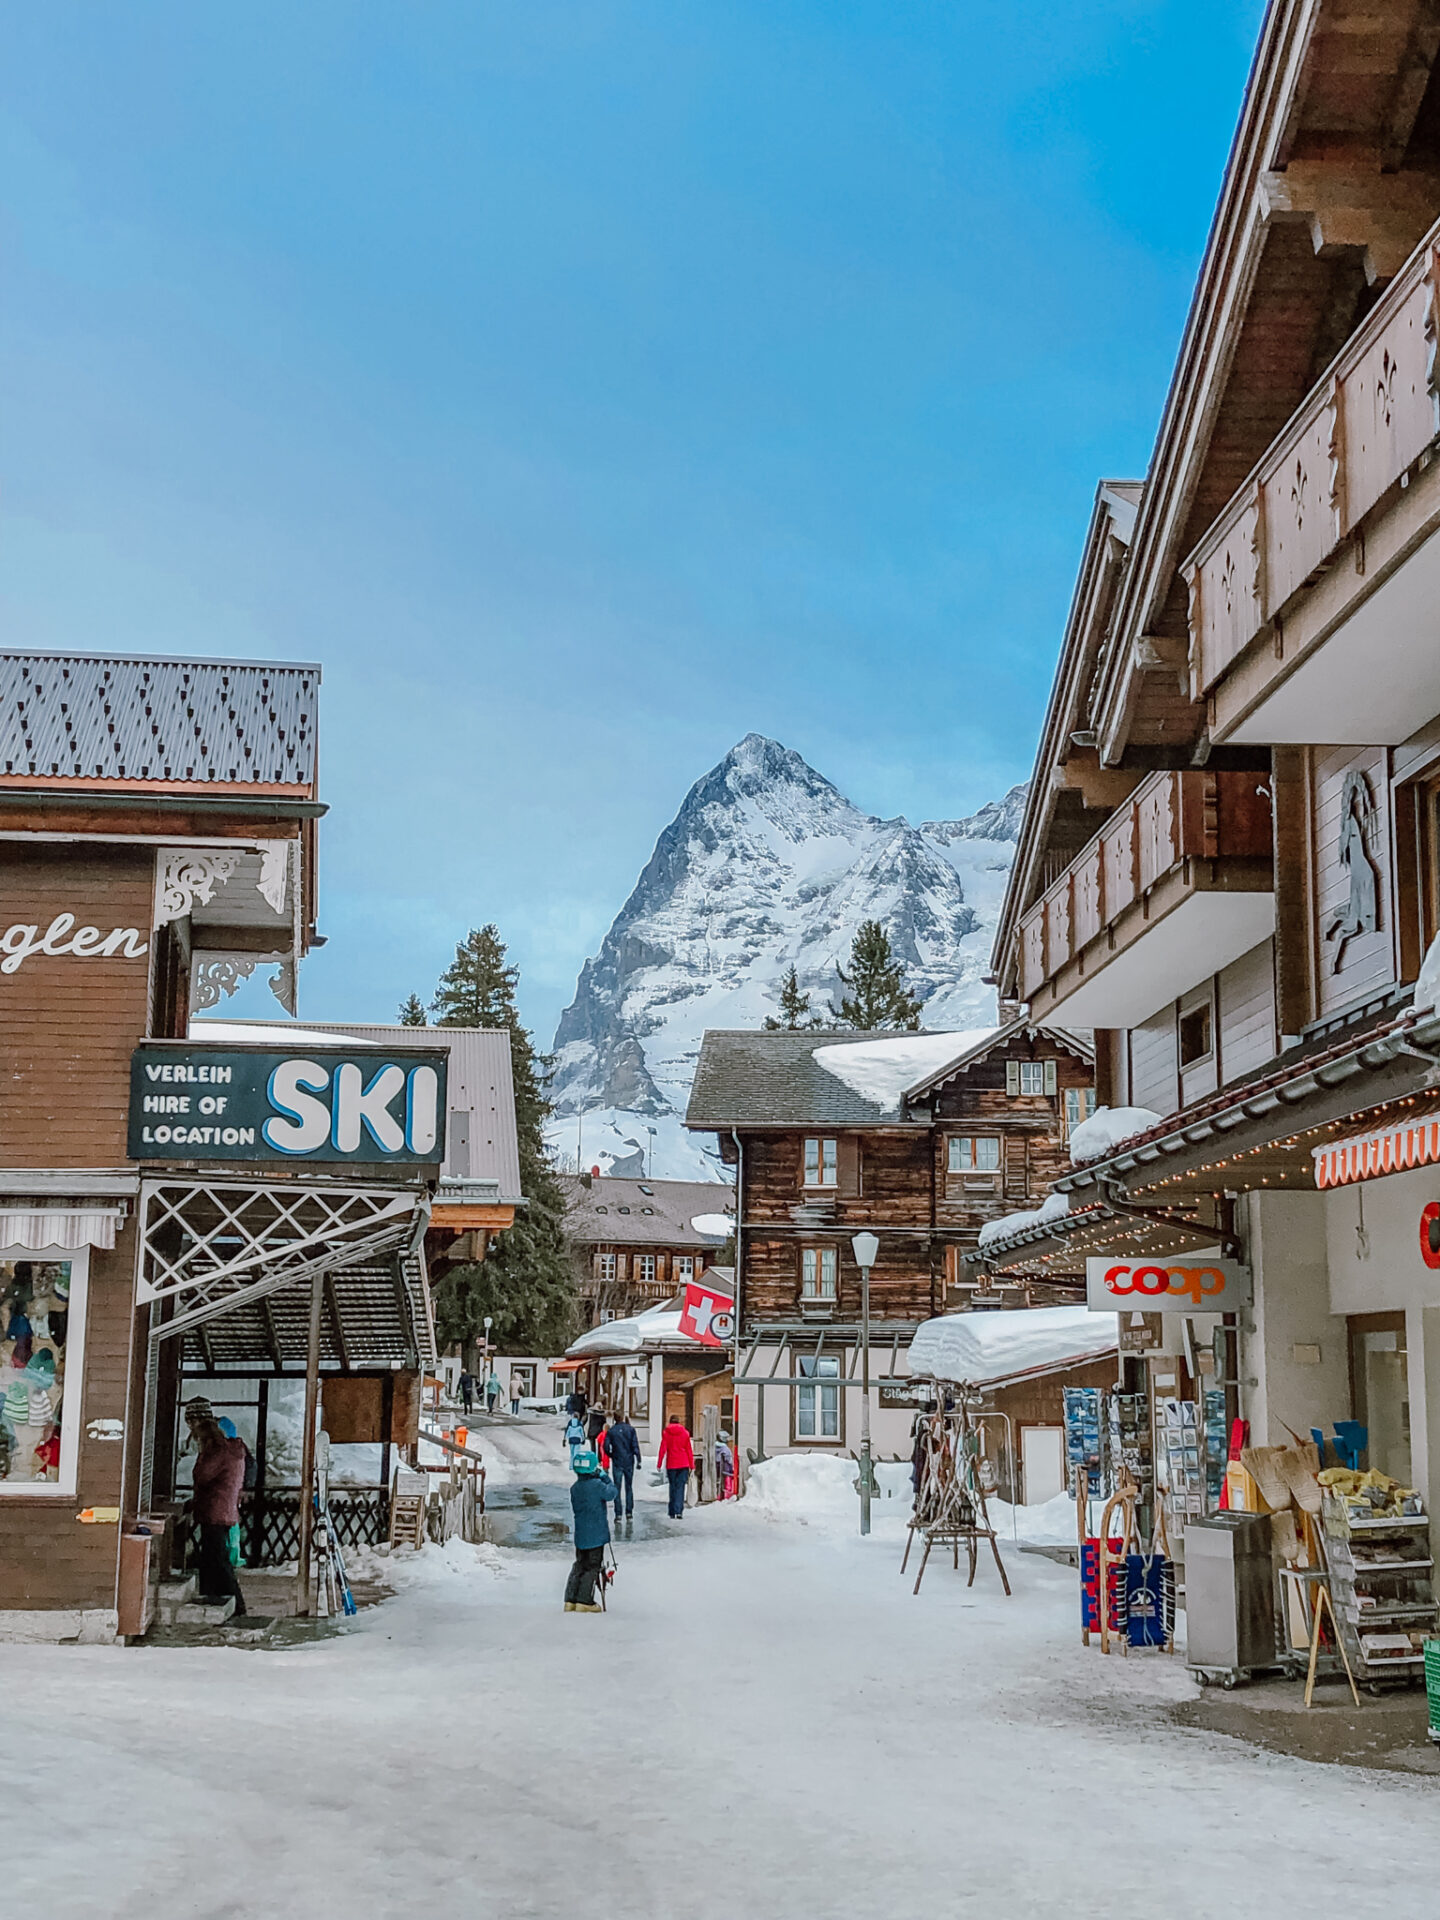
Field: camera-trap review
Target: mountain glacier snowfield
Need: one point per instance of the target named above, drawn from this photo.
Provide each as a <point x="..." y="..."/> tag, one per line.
<point x="766" y="865"/>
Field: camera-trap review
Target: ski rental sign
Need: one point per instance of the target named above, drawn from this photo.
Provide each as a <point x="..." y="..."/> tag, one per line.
<point x="256" y="1104"/>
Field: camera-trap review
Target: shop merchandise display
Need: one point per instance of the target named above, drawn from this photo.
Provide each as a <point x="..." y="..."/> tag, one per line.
<point x="1185" y="1461"/>
<point x="1131" y="1446"/>
<point x="1381" y="1574"/>
<point x="34" y="1311"/>
<point x="1085" y="1441"/>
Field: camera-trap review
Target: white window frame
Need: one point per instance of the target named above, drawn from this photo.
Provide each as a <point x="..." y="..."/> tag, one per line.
<point x="955" y="1160"/>
<point x="642" y="1267"/>
<point x="607" y="1266"/>
<point x="822" y="1166"/>
<point x="820" y="1402"/>
<point x="1079" y="1106"/>
<point x="72" y="1404"/>
<point x="819" y="1272"/>
<point x="1032" y="1077"/>
<point x="684" y="1266"/>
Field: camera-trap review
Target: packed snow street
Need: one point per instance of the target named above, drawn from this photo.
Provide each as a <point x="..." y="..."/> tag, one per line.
<point x="763" y="1695"/>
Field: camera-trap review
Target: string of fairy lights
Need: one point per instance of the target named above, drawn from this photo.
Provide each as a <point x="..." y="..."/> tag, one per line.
<point x="1144" y="1235"/>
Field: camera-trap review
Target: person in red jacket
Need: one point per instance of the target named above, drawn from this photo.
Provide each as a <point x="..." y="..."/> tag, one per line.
<point x="677" y="1457"/>
<point x="215" y="1499"/>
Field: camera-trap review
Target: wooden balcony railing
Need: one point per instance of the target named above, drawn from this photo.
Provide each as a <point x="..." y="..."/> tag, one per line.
<point x="1171" y="819"/>
<point x="1355" y="436"/>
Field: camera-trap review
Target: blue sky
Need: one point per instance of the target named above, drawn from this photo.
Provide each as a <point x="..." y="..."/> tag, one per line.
<point x="586" y="383"/>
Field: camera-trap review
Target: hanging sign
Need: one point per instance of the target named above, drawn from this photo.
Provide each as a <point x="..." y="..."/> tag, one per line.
<point x="707" y="1316"/>
<point x="1185" y="1283"/>
<point x="255" y="1104"/>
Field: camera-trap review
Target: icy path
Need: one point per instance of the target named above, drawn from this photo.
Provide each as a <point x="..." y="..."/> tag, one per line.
<point x="766" y="1724"/>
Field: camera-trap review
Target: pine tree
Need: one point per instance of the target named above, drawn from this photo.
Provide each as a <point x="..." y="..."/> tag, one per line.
<point x="879" y="998"/>
<point x="526" y="1283"/>
<point x="794" y="1008"/>
<point x="412" y="1011"/>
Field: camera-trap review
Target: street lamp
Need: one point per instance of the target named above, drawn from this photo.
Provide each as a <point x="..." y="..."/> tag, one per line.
<point x="865" y="1246"/>
<point x="651" y="1170"/>
<point x="489" y="1367"/>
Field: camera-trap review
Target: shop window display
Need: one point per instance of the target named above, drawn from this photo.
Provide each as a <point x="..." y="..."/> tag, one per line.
<point x="35" y="1308"/>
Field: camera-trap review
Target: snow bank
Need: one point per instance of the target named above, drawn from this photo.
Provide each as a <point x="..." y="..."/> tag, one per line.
<point x="882" y="1070"/>
<point x="819" y="1488"/>
<point x="1054" y="1208"/>
<point x="1049" y="1525"/>
<point x="234" y="1030"/>
<point x="1107" y="1129"/>
<point x="981" y="1347"/>
<point x="457" y="1561"/>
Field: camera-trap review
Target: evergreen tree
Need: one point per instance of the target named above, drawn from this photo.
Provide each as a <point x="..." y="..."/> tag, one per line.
<point x="879" y="997"/>
<point x="412" y="1011"/>
<point x="526" y="1283"/>
<point x="794" y="1008"/>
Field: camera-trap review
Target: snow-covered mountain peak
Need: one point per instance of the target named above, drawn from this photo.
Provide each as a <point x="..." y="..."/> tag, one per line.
<point x="766" y="865"/>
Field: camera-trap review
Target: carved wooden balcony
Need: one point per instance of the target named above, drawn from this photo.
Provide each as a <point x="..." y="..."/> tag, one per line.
<point x="1330" y="549"/>
<point x="1176" y="884"/>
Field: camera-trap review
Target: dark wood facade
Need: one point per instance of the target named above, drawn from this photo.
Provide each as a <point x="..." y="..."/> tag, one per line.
<point x="910" y="1185"/>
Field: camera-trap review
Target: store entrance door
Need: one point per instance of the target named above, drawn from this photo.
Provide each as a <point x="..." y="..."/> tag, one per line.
<point x="1380" y="1387"/>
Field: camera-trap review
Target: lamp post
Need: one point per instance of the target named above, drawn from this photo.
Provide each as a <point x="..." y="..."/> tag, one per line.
<point x="651" y="1169"/>
<point x="489" y="1368"/>
<point x="865" y="1246"/>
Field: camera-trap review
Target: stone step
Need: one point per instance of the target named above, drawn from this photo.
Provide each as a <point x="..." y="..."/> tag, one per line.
<point x="174" y="1593"/>
<point x="195" y="1613"/>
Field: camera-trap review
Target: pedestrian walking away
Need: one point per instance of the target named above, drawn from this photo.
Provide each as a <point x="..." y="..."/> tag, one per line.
<point x="590" y="1498"/>
<point x="724" y="1469"/>
<point x="574" y="1436"/>
<point x="677" y="1458"/>
<point x="624" y="1444"/>
<point x="492" y="1392"/>
<point x="577" y="1403"/>
<point x="467" y="1391"/>
<point x="594" y="1425"/>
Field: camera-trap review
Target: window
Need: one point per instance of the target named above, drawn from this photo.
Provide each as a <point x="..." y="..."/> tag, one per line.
<point x="818" y="1267"/>
<point x="1030" y="1076"/>
<point x="42" y="1310"/>
<point x="645" y="1269"/>
<point x="974" y="1153"/>
<point x="817" y="1408"/>
<point x="606" y="1313"/>
<point x="605" y="1266"/>
<point x="1195" y="1034"/>
<point x="649" y="1192"/>
<point x="622" y="1209"/>
<point x="684" y="1266"/>
<point x="822" y="1163"/>
<point x="1079" y="1105"/>
<point x="647" y="1209"/>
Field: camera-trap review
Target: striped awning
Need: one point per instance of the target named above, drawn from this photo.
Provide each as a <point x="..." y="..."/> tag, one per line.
<point x="44" y="1228"/>
<point x="1411" y="1142"/>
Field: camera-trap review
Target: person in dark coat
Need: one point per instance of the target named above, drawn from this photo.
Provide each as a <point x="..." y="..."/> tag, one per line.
<point x="590" y="1499"/>
<point x="215" y="1501"/>
<point x="467" y="1391"/>
<point x="624" y="1444"/>
<point x="594" y="1424"/>
<point x="577" y="1403"/>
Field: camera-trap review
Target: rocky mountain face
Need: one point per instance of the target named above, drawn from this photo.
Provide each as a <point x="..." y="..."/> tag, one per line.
<point x="766" y="864"/>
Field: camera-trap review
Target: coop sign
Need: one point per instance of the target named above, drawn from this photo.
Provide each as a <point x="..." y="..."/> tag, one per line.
<point x="1186" y="1284"/>
<point x="253" y="1104"/>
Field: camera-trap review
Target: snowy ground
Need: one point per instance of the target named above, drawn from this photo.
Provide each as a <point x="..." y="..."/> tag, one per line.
<point x="766" y="1723"/>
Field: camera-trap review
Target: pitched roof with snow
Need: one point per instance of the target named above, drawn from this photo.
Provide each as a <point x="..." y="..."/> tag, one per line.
<point x="646" y="1212"/>
<point x="836" y="1078"/>
<point x="745" y="1078"/>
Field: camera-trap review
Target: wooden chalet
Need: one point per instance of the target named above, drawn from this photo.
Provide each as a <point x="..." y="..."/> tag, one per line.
<point x="634" y="1243"/>
<point x="171" y="1204"/>
<point x="922" y="1139"/>
<point x="1229" y="867"/>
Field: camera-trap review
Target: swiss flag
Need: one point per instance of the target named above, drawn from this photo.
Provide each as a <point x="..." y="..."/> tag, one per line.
<point x="707" y="1316"/>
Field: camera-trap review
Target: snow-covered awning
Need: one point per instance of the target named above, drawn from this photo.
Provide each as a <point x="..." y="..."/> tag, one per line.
<point x="41" y="1229"/>
<point x="1412" y="1142"/>
<point x="987" y="1349"/>
<point x="642" y="1332"/>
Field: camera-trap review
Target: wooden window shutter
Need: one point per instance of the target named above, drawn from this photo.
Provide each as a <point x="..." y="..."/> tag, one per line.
<point x="847" y="1165"/>
<point x="1051" y="1079"/>
<point x="1012" y="1078"/>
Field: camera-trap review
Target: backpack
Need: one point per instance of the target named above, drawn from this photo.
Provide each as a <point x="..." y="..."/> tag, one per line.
<point x="575" y="1432"/>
